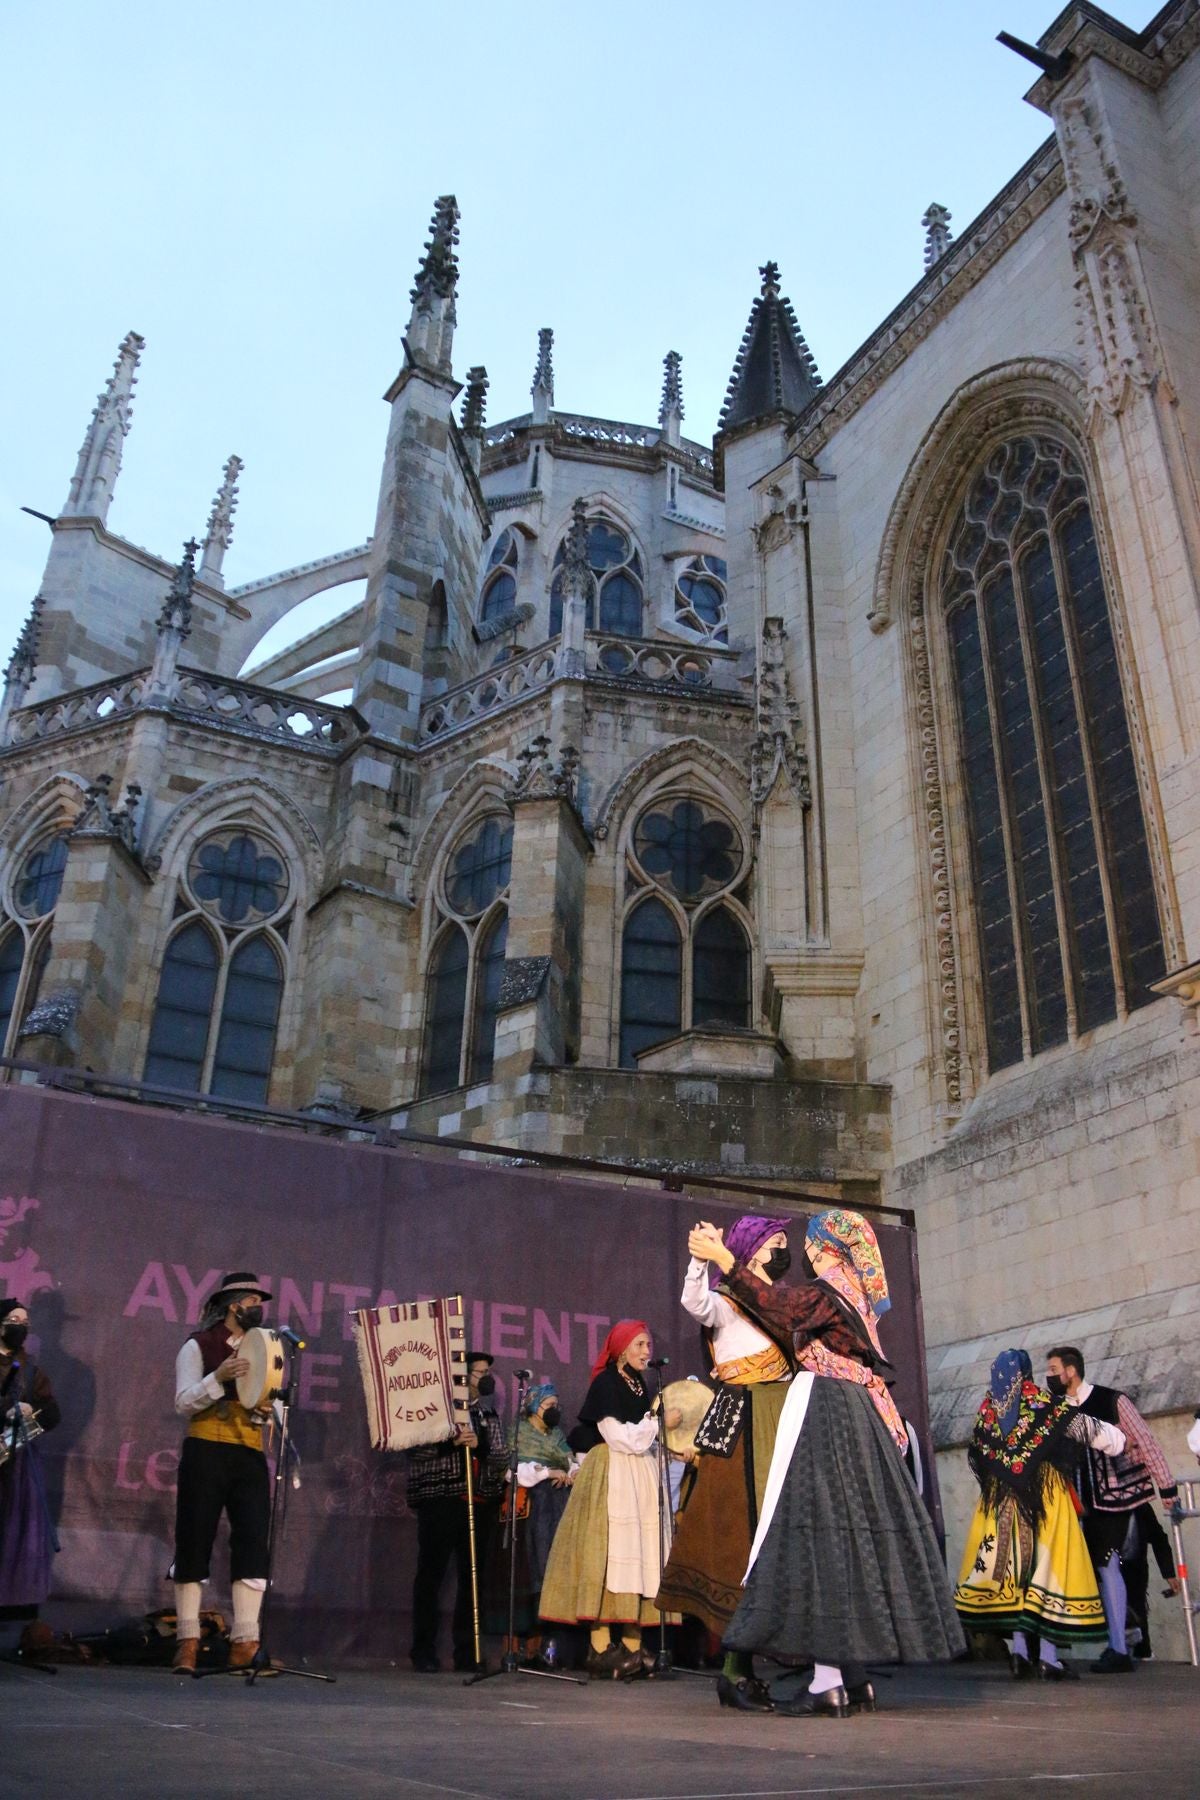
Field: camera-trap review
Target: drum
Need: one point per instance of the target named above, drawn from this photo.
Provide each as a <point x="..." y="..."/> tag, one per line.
<point x="263" y="1382"/>
<point x="693" y="1400"/>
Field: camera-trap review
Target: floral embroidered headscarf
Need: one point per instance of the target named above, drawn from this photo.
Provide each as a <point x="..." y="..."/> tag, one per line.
<point x="850" y="1236"/>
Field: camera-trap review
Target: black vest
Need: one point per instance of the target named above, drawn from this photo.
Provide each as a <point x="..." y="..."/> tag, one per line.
<point x="1112" y="1483"/>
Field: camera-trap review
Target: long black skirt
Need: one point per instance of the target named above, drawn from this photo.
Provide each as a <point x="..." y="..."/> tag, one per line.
<point x="849" y="1570"/>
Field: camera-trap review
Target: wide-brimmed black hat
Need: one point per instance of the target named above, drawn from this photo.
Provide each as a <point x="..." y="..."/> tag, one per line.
<point x="480" y="1356"/>
<point x="239" y="1281"/>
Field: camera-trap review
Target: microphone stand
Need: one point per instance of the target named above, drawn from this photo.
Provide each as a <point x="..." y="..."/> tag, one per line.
<point x="21" y="1440"/>
<point x="663" y="1662"/>
<point x="260" y="1663"/>
<point x="510" y="1662"/>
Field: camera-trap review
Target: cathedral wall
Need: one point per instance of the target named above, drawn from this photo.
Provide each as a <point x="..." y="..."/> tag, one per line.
<point x="1021" y="308"/>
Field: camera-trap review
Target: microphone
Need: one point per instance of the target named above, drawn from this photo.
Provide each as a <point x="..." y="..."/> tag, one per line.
<point x="659" y="1362"/>
<point x="291" y="1337"/>
<point x="524" y="1374"/>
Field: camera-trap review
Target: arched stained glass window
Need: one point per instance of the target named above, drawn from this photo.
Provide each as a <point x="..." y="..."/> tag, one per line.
<point x="700" y="597"/>
<point x="1063" y="890"/>
<point x="249" y="1016"/>
<point x="500" y="583"/>
<point x="12" y="957"/>
<point x="687" y="849"/>
<point x="480" y="868"/>
<point x="183" y="1012"/>
<point x="445" y="1012"/>
<point x="651" y="980"/>
<point x="720" y="971"/>
<point x="238" y="878"/>
<point x="617" y="577"/>
<point x="489" y="971"/>
<point x="39" y="880"/>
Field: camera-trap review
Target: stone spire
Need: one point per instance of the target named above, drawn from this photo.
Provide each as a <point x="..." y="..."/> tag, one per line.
<point x="174" y="624"/>
<point x="577" y="583"/>
<point x="938" y="235"/>
<point x="100" y="456"/>
<point x="22" y="665"/>
<point x="431" y="324"/>
<point x="475" y="401"/>
<point x="670" y="411"/>
<point x="474" y="411"/>
<point x="543" y="377"/>
<point x="774" y="371"/>
<point x="219" y="532"/>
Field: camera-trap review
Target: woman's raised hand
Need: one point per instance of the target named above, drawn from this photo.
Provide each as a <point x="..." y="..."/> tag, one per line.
<point x="705" y="1242"/>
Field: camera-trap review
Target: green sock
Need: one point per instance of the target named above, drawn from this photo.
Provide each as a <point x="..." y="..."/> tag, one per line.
<point x="738" y="1665"/>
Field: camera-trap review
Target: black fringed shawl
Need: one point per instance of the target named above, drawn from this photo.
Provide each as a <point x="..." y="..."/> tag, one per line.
<point x="1021" y="1464"/>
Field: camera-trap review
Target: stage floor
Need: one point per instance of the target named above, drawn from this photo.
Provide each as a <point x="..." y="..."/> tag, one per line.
<point x="966" y="1730"/>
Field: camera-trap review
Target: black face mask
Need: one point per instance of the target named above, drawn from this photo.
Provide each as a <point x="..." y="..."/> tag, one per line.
<point x="249" y="1316"/>
<point x="13" y="1336"/>
<point x="552" y="1417"/>
<point x="1056" y="1385"/>
<point x="778" y="1263"/>
<point x="487" y="1385"/>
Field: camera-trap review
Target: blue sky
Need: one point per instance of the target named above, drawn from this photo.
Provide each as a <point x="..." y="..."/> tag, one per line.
<point x="249" y="186"/>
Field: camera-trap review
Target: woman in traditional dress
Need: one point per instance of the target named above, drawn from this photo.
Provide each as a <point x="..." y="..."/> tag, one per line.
<point x="844" y="1568"/>
<point x="1026" y="1571"/>
<point x="27" y="1540"/>
<point x="708" y="1558"/>
<point x="606" y="1560"/>
<point x="546" y="1467"/>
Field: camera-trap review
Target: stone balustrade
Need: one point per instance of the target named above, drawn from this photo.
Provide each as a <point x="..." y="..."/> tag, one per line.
<point x="262" y="712"/>
<point x="502" y="686"/>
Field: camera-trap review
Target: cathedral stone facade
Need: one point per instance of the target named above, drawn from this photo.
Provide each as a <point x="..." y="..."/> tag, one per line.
<point x="819" y="805"/>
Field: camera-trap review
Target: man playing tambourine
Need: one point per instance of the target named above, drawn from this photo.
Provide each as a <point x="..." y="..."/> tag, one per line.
<point x="222" y="1469"/>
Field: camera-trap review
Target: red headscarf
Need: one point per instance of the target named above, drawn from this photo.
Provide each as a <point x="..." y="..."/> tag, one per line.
<point x="618" y="1339"/>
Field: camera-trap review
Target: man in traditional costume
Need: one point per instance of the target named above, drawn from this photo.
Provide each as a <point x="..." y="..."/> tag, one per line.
<point x="1026" y="1572"/>
<point x="437" y="1494"/>
<point x="708" y="1558"/>
<point x="844" y="1568"/>
<point x="222" y="1470"/>
<point x="1111" y="1487"/>
<point x="27" y="1408"/>
<point x="605" y="1564"/>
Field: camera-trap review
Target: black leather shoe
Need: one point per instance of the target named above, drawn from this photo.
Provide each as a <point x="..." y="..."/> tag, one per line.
<point x="1022" y="1668"/>
<point x="834" y="1703"/>
<point x="426" y="1665"/>
<point x="1056" y="1672"/>
<point x="602" y="1664"/>
<point x="747" y="1694"/>
<point x="1113" y="1663"/>
<point x="861" y="1696"/>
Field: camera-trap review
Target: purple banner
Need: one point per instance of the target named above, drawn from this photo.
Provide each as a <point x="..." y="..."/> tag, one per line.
<point x="117" y="1221"/>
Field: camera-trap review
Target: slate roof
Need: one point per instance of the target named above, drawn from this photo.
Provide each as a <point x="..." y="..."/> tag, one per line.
<point x="774" y="371"/>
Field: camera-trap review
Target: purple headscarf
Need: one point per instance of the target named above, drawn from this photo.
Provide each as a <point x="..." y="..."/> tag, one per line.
<point x="744" y="1237"/>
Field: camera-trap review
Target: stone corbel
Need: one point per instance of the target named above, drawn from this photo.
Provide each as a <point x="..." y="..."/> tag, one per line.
<point x="1182" y="985"/>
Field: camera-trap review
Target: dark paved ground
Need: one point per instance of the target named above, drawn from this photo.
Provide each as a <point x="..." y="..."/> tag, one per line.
<point x="962" y="1731"/>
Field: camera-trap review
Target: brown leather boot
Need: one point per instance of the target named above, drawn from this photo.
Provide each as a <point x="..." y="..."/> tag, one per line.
<point x="242" y="1653"/>
<point x="186" y="1652"/>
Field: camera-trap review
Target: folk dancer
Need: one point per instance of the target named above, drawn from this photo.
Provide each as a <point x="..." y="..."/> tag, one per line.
<point x="27" y="1540"/>
<point x="708" y="1558"/>
<point x="844" y="1567"/>
<point x="1111" y="1487"/>
<point x="1026" y="1572"/>
<point x="606" y="1561"/>
<point x="222" y="1470"/>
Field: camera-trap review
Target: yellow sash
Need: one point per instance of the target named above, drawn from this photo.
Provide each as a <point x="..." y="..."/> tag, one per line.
<point x="767" y="1364"/>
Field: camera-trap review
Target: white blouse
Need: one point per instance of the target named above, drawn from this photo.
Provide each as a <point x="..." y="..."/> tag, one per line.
<point x="630" y="1440"/>
<point x="733" y="1335"/>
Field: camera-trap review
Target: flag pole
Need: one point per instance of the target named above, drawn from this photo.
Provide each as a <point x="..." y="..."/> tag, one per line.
<point x="471" y="1542"/>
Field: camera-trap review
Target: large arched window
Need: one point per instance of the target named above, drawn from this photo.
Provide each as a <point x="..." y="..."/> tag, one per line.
<point x="617" y="569"/>
<point x="222" y="979"/>
<point x="700" y="598"/>
<point x="685" y="945"/>
<point x="26" y="919"/>
<point x="500" y="582"/>
<point x="466" y="963"/>
<point x="1064" y="901"/>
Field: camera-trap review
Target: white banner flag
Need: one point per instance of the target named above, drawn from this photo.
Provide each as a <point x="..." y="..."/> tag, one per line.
<point x="413" y="1362"/>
